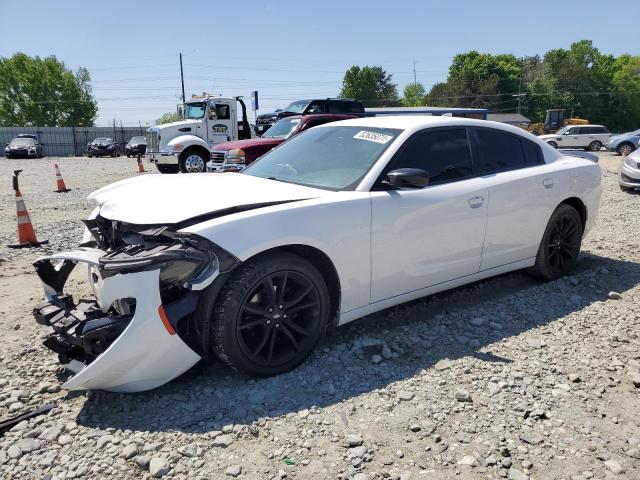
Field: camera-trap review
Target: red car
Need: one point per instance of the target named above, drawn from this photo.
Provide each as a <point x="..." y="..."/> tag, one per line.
<point x="234" y="156"/>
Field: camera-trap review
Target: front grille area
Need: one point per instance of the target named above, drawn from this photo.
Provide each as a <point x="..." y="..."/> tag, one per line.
<point x="152" y="141"/>
<point x="217" y="157"/>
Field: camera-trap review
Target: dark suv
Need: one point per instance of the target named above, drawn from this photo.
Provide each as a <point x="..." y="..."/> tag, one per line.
<point x="310" y="107"/>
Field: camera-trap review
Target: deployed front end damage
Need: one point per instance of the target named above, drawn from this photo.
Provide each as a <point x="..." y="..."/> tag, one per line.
<point x="139" y="330"/>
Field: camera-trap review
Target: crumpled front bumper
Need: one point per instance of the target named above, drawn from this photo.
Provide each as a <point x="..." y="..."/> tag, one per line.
<point x="146" y="354"/>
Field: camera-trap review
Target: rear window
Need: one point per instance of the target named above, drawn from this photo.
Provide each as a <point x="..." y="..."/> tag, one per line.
<point x="499" y="152"/>
<point x="340" y="106"/>
<point x="532" y="152"/>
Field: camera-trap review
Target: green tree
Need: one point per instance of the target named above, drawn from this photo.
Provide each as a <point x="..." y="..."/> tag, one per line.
<point x="43" y="92"/>
<point x="626" y="82"/>
<point x="413" y="95"/>
<point x="373" y="86"/>
<point x="168" y="118"/>
<point x="481" y="80"/>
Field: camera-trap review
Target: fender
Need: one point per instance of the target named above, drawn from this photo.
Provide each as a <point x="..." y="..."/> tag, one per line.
<point x="340" y="227"/>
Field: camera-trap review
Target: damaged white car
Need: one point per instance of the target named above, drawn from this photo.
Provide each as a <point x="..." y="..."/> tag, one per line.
<point x="342" y="221"/>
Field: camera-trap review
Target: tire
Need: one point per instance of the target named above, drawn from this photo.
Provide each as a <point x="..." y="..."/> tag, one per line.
<point x="595" y="146"/>
<point x="167" y="168"/>
<point x="192" y="161"/>
<point x="89" y="155"/>
<point x="552" y="144"/>
<point x="251" y="331"/>
<point x="625" y="149"/>
<point x="625" y="189"/>
<point x="558" y="251"/>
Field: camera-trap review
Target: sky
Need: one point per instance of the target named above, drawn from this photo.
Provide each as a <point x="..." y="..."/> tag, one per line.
<point x="288" y="50"/>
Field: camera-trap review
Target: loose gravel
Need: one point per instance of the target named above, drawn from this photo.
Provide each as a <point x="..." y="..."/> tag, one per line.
<point x="506" y="378"/>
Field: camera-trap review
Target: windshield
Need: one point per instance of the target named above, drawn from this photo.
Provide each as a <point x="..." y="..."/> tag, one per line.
<point x="103" y="140"/>
<point x="297" y="107"/>
<point x="282" y="128"/>
<point x="333" y="158"/>
<point x="22" y="142"/>
<point x="137" y="140"/>
<point x="562" y="131"/>
<point x="195" y="110"/>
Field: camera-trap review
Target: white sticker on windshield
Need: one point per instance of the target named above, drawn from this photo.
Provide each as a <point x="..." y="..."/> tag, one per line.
<point x="373" y="136"/>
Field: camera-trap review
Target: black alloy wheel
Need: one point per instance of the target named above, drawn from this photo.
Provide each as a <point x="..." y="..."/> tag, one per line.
<point x="276" y="320"/>
<point x="269" y="315"/>
<point x="560" y="246"/>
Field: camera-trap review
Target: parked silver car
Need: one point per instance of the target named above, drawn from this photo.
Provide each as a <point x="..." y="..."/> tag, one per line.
<point x="625" y="143"/>
<point x="629" y="172"/>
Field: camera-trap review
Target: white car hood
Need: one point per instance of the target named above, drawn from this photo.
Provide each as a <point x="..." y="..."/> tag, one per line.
<point x="169" y="199"/>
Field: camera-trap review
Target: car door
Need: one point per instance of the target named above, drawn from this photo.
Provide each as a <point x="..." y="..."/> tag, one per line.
<point x="431" y="235"/>
<point x="521" y="194"/>
<point x="222" y="126"/>
<point x="571" y="138"/>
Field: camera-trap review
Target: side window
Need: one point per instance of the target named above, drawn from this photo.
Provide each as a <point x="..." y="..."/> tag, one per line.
<point x="222" y="111"/>
<point x="317" y="106"/>
<point x="337" y="107"/>
<point x="532" y="153"/>
<point x="444" y="154"/>
<point x="499" y="151"/>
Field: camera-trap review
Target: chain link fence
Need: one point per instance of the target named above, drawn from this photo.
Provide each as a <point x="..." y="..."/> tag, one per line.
<point x="70" y="141"/>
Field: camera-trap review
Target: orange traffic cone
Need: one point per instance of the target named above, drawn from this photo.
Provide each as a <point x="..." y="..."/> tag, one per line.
<point x="62" y="188"/>
<point x="140" y="166"/>
<point x="26" y="234"/>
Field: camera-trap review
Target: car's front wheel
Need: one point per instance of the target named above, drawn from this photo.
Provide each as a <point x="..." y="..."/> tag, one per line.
<point x="192" y="161"/>
<point x="595" y="146"/>
<point x="560" y="245"/>
<point x="625" y="149"/>
<point x="269" y="315"/>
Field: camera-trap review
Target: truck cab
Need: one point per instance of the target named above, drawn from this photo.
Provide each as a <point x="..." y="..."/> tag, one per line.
<point x="185" y="145"/>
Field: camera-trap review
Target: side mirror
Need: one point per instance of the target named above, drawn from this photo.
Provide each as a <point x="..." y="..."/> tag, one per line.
<point x="407" y="178"/>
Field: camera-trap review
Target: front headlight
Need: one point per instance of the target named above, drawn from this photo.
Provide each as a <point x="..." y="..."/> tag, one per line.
<point x="630" y="162"/>
<point x="235" y="155"/>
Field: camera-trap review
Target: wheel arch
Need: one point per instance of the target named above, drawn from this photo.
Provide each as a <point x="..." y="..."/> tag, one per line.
<point x="580" y="207"/>
<point x="197" y="148"/>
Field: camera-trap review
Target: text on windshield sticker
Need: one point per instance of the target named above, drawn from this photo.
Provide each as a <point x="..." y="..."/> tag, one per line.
<point x="373" y="136"/>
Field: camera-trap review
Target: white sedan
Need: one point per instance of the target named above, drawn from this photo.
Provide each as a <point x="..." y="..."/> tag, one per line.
<point x="337" y="223"/>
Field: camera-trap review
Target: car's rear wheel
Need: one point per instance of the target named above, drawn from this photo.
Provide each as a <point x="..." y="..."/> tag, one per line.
<point x="553" y="144"/>
<point x="192" y="161"/>
<point x="560" y="245"/>
<point x="269" y="315"/>
<point x="625" y="149"/>
<point x="595" y="146"/>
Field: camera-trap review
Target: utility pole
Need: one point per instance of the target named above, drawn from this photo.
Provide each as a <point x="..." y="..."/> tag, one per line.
<point x="415" y="78"/>
<point x="520" y="84"/>
<point x="182" y="78"/>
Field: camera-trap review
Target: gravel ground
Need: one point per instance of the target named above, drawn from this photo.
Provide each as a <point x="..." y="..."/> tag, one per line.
<point x="506" y="378"/>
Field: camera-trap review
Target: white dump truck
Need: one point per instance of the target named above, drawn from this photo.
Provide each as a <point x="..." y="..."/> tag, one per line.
<point x="185" y="145"/>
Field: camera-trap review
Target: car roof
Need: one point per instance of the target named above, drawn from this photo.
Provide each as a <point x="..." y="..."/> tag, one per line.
<point x="416" y="122"/>
<point x="590" y="125"/>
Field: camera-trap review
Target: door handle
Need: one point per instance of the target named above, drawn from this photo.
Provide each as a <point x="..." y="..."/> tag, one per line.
<point x="476" y="202"/>
<point x="547" y="182"/>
